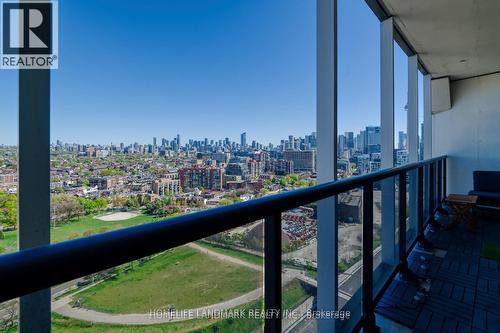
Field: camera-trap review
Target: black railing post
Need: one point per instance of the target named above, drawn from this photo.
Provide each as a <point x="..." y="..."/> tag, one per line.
<point x="420" y="200"/>
<point x="444" y="178"/>
<point x="368" y="305"/>
<point x="272" y="273"/>
<point x="432" y="195"/>
<point x="420" y="210"/>
<point x="439" y="183"/>
<point x="403" y="263"/>
<point x="440" y="186"/>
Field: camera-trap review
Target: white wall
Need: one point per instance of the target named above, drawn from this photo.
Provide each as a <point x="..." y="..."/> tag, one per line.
<point x="469" y="133"/>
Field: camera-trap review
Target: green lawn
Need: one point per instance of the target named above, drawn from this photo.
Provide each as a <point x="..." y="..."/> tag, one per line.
<point x="182" y="278"/>
<point x="490" y="250"/>
<point x="62" y="324"/>
<point x="88" y="225"/>
<point x="293" y="295"/>
<point x="9" y="243"/>
<point x="233" y="253"/>
<point x="81" y="227"/>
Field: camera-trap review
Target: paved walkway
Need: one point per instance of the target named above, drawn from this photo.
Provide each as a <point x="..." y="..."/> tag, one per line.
<point x="63" y="307"/>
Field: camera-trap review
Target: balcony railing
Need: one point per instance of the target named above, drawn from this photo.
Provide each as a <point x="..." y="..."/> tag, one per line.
<point x="27" y="271"/>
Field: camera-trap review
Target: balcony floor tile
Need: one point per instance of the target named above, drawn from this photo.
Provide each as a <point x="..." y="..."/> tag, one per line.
<point x="465" y="288"/>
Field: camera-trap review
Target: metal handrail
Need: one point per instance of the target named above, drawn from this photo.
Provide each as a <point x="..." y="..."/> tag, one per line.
<point x="41" y="267"/>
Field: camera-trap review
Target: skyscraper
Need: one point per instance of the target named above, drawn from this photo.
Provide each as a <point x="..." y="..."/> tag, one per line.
<point x="372" y="141"/>
<point x="154" y="141"/>
<point x="341" y="144"/>
<point x="178" y="140"/>
<point x="349" y="140"/>
<point x="244" y="139"/>
<point x="401" y="140"/>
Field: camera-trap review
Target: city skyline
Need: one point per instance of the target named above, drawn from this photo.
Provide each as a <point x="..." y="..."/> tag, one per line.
<point x="224" y="67"/>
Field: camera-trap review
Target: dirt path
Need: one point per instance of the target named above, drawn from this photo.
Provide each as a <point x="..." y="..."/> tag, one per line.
<point x="224" y="257"/>
<point x="63" y="307"/>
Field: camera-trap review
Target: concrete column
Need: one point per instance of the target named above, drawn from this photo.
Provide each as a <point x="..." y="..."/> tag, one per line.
<point x="427" y="117"/>
<point x="427" y="134"/>
<point x="34" y="186"/>
<point x="327" y="157"/>
<point x="388" y="233"/>
<point x="412" y="131"/>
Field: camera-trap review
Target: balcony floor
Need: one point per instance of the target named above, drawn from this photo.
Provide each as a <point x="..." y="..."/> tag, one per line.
<point x="464" y="294"/>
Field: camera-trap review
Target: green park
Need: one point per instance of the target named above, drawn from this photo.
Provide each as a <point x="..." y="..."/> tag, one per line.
<point x="180" y="278"/>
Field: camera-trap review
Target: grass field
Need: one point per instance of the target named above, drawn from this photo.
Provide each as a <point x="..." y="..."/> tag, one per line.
<point x="62" y="324"/>
<point x="81" y="227"/>
<point x="9" y="243"/>
<point x="182" y="278"/>
<point x="293" y="295"/>
<point x="233" y="253"/>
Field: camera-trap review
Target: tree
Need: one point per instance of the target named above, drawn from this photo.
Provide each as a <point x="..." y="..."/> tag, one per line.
<point x="66" y="207"/>
<point x="89" y="206"/>
<point x="101" y="203"/>
<point x="8" y="209"/>
<point x="301" y="183"/>
<point x="161" y="207"/>
<point x="132" y="202"/>
<point x="284" y="181"/>
<point x="117" y="201"/>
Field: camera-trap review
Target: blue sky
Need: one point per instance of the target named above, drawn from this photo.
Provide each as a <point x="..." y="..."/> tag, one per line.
<point x="131" y="70"/>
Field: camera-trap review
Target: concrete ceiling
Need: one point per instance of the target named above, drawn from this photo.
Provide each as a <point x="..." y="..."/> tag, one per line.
<point x="456" y="38"/>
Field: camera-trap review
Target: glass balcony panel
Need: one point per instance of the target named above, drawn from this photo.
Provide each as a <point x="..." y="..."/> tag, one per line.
<point x="214" y="284"/>
<point x="8" y="183"/>
<point x="299" y="267"/>
<point x="350" y="254"/>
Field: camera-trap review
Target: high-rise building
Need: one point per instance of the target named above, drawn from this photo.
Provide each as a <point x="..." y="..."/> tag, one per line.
<point x="341" y="144"/>
<point x="372" y="141"/>
<point x="154" y="141"/>
<point x="360" y="141"/>
<point x="178" y="140"/>
<point x="402" y="138"/>
<point x="349" y="140"/>
<point x="243" y="140"/>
